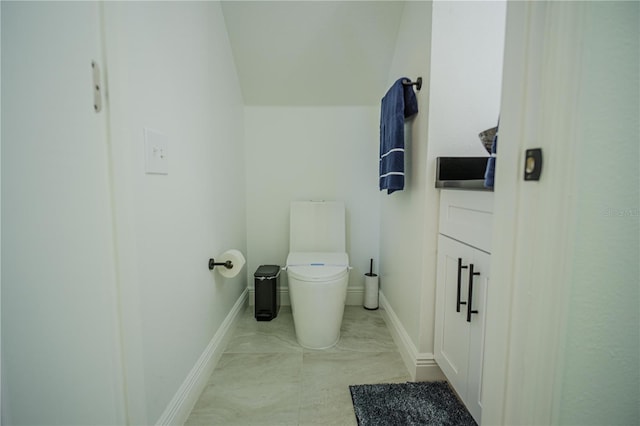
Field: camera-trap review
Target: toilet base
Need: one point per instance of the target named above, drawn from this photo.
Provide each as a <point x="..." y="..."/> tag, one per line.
<point x="318" y="349"/>
<point x="318" y="308"/>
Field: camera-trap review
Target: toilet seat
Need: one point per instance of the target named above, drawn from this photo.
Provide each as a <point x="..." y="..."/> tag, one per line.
<point x="317" y="266"/>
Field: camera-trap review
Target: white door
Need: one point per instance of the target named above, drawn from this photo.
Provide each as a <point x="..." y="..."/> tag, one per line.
<point x="60" y="339"/>
<point x="563" y="305"/>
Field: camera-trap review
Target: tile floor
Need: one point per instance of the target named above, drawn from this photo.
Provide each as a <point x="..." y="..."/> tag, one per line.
<point x="265" y="378"/>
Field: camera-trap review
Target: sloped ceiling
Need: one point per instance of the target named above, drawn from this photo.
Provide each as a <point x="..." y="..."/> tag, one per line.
<point x="313" y="52"/>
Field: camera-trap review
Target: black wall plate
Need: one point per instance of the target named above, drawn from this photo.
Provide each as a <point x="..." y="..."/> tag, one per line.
<point x="533" y="164"/>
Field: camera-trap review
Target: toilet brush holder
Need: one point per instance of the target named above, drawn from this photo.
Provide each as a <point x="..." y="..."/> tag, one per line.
<point x="370" y="291"/>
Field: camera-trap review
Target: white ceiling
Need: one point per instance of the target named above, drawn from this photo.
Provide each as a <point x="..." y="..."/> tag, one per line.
<point x="313" y="52"/>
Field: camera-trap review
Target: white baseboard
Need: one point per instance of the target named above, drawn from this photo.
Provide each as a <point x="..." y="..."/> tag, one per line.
<point x="427" y="370"/>
<point x="355" y="296"/>
<point x="183" y="401"/>
<point x="421" y="366"/>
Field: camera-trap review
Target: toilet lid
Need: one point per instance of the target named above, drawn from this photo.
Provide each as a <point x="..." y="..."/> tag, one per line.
<point x="317" y="266"/>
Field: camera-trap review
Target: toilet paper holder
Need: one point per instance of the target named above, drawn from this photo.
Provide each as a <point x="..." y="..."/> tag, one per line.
<point x="212" y="263"/>
<point x="232" y="260"/>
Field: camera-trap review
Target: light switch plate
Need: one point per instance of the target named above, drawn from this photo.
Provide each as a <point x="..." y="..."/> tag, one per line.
<point x="156" y="153"/>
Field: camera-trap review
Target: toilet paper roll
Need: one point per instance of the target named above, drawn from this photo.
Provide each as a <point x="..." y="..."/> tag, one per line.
<point x="236" y="258"/>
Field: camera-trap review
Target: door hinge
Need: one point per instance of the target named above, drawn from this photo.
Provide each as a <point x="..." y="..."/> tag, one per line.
<point x="97" y="95"/>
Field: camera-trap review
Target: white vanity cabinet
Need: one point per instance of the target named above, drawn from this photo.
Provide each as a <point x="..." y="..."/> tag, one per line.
<point x="464" y="247"/>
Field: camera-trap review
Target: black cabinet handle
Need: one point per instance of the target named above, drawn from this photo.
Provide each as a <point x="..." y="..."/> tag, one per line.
<point x="460" y="268"/>
<point x="469" y="308"/>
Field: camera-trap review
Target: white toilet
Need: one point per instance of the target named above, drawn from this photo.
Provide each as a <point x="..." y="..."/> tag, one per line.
<point x="318" y="271"/>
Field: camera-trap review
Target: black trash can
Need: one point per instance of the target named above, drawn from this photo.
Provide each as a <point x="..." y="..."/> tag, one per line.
<point x="267" y="292"/>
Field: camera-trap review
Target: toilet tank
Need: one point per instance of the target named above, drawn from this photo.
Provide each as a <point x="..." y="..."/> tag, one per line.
<point x="317" y="226"/>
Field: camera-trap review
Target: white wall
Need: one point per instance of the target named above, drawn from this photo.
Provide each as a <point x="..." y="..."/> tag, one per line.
<point x="171" y="70"/>
<point x="312" y="53"/>
<point x="466" y="75"/>
<point x="457" y="48"/>
<point x="403" y="217"/>
<point x="305" y="153"/>
<point x="60" y="336"/>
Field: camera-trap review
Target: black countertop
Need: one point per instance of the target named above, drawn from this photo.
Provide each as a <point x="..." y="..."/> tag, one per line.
<point x="461" y="173"/>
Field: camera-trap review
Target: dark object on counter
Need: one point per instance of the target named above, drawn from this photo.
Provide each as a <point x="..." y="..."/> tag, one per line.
<point x="267" y="289"/>
<point x="487" y="138"/>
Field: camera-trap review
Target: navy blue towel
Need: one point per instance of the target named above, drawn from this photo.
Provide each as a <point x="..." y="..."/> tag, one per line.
<point x="397" y="104"/>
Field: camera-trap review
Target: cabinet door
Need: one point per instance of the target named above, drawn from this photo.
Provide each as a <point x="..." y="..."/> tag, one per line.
<point x="473" y="399"/>
<point x="452" y="328"/>
<point x="459" y="334"/>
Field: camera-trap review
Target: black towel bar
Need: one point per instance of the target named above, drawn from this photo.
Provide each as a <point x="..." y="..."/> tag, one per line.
<point x="417" y="83"/>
